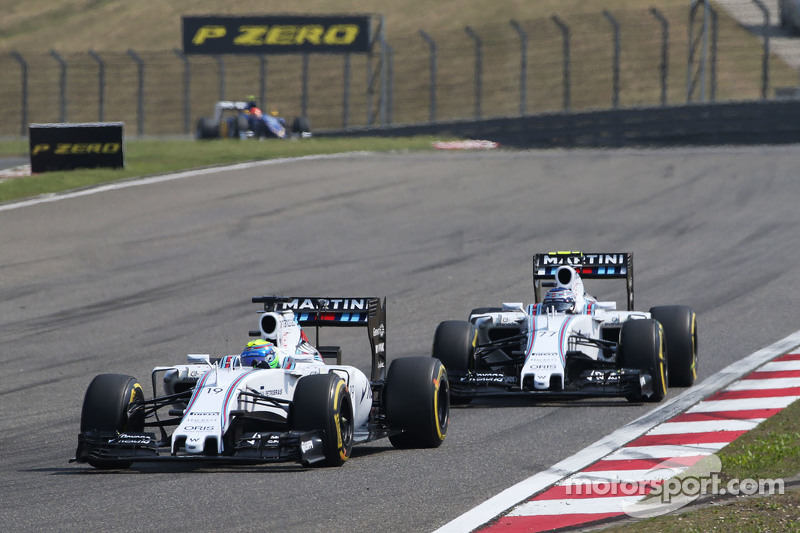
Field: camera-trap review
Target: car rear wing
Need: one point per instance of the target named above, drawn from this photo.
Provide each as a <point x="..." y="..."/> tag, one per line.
<point x="316" y="312"/>
<point x="227" y="104"/>
<point x="613" y="265"/>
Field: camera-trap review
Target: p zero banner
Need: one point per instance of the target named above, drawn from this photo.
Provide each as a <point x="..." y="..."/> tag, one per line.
<point x="66" y="146"/>
<point x="283" y="34"/>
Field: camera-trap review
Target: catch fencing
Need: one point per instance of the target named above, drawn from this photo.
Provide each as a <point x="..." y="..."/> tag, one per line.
<point x="597" y="61"/>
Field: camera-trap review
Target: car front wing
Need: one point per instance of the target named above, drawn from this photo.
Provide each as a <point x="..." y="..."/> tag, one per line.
<point x="266" y="447"/>
<point x="620" y="382"/>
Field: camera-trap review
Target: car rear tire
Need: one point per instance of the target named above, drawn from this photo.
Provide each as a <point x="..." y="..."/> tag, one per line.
<point x="321" y="401"/>
<point x="113" y="403"/>
<point x="207" y="129"/>
<point x="642" y="347"/>
<point x="242" y="126"/>
<point x="417" y="396"/>
<point x="301" y="125"/>
<point x="454" y="345"/>
<point x="680" y="333"/>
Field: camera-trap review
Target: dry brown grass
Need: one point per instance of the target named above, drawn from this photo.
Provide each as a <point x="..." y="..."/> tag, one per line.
<point x="152" y="29"/>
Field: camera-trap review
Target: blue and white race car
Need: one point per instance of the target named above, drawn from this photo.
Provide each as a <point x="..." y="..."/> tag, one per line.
<point x="276" y="401"/>
<point x="567" y="343"/>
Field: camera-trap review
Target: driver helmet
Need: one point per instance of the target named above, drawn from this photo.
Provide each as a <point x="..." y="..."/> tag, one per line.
<point x="273" y="111"/>
<point x="560" y="300"/>
<point x="260" y="351"/>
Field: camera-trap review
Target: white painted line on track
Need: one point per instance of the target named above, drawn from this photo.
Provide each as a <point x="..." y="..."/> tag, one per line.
<point x="587" y="505"/>
<point x="747" y="403"/>
<point x="780" y="366"/>
<point x="624" y="476"/>
<point x="55" y="197"/>
<point x="670" y="428"/>
<point x="667" y="451"/>
<point x="755" y="384"/>
<point x="513" y="495"/>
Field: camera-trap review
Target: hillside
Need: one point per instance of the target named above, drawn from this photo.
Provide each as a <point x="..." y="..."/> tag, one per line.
<point x="55" y="40"/>
<point x="117" y="25"/>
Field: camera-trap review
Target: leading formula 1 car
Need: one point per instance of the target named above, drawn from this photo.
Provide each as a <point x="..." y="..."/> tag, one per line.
<point x="568" y="342"/>
<point x="303" y="410"/>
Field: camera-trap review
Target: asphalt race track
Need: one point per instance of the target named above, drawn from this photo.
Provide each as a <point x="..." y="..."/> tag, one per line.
<point x="126" y="279"/>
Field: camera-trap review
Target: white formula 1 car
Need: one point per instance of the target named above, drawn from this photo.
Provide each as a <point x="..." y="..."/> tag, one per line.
<point x="567" y="342"/>
<point x="291" y="406"/>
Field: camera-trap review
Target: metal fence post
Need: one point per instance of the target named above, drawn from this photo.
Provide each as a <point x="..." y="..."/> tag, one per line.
<point x="346" y="91"/>
<point x="23" y="130"/>
<point x="664" y="65"/>
<point x="139" y="92"/>
<point x="221" y="71"/>
<point x="565" y="33"/>
<point x="62" y="86"/>
<point x="101" y="82"/>
<point x="304" y="88"/>
<point x="379" y="37"/>
<point x="383" y="98"/>
<point x="389" y="84"/>
<point x="369" y="85"/>
<point x="714" y="36"/>
<point x="765" y="37"/>
<point x="523" y="67"/>
<point x="187" y="83"/>
<point x="478" y="70"/>
<point x="702" y="41"/>
<point x="432" y="76"/>
<point x="262" y="80"/>
<point x="615" y="61"/>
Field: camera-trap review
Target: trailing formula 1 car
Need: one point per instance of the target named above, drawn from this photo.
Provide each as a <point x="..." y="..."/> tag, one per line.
<point x="276" y="401"/>
<point x="567" y="343"/>
<point x="244" y="120"/>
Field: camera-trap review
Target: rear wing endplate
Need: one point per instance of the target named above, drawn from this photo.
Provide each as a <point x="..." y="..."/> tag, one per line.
<point x="613" y="265"/>
<point x="317" y="312"/>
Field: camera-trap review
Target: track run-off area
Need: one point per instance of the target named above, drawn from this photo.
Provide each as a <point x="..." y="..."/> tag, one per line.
<point x="126" y="277"/>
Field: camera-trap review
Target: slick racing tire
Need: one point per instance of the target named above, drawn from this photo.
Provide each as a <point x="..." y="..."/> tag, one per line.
<point x="321" y="401"/>
<point x="242" y="126"/>
<point x="301" y="125"/>
<point x="113" y="402"/>
<point x="417" y="400"/>
<point x="207" y="129"/>
<point x="642" y="347"/>
<point x="680" y="332"/>
<point x="454" y="345"/>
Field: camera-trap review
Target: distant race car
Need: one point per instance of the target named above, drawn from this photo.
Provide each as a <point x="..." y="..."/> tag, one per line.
<point x="789" y="15"/>
<point x="567" y="343"/>
<point x="242" y="120"/>
<point x="277" y="401"/>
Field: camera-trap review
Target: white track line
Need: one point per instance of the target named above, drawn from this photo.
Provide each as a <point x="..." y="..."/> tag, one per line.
<point x="772" y="383"/>
<point x="169" y="177"/>
<point x="671" y="428"/>
<point x="778" y="402"/>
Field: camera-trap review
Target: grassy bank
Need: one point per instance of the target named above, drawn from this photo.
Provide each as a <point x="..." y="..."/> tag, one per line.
<point x="151" y="157"/>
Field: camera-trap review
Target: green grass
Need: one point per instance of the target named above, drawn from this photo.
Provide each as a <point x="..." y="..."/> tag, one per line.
<point x="152" y="157"/>
<point x="771" y="450"/>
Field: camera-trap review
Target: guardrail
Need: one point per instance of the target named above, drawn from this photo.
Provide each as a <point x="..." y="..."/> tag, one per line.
<point x="742" y="123"/>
